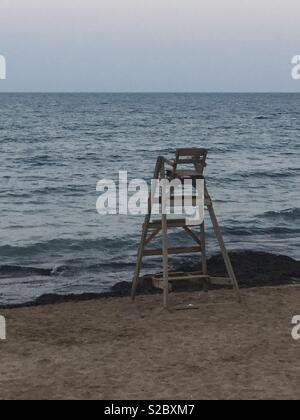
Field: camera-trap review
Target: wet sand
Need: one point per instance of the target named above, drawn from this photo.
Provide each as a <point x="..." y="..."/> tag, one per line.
<point x="114" y="349"/>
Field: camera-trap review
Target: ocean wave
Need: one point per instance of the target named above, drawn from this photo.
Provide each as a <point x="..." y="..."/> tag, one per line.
<point x="66" y="245"/>
<point x="20" y="271"/>
<point x="263" y="117"/>
<point x="253" y="230"/>
<point x="16" y="271"/>
<point x="287" y="214"/>
<point x="240" y="175"/>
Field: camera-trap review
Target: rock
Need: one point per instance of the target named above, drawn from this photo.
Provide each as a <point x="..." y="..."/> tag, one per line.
<point x="252" y="269"/>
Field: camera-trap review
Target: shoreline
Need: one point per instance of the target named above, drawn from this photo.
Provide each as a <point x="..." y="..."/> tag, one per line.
<point x="254" y="269"/>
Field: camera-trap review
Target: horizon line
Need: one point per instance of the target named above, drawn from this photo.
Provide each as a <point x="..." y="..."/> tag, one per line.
<point x="149" y="92"/>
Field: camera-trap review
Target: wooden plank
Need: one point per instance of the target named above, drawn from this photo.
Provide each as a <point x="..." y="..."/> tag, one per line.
<point x="181" y="200"/>
<point x="188" y="173"/>
<point x="221" y="281"/>
<point x="216" y="281"/>
<point x="193" y="236"/>
<point x="207" y="201"/>
<point x="138" y="267"/>
<point x="172" y="223"/>
<point x="224" y="252"/>
<point x="173" y="250"/>
<point x="165" y="248"/>
<point x="204" y="256"/>
<point x="152" y="236"/>
<point x="191" y="151"/>
<point x="181" y="277"/>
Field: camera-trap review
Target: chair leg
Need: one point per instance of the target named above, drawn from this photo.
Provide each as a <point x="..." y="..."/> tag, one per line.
<point x="140" y="258"/>
<point x="165" y="260"/>
<point x="224" y="251"/>
<point x="204" y="256"/>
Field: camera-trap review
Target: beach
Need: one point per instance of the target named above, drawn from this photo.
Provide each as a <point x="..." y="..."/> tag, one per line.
<point x="115" y="349"/>
<point x="150" y="206"/>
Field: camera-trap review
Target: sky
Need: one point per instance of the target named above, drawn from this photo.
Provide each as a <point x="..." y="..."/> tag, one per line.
<point x="149" y="45"/>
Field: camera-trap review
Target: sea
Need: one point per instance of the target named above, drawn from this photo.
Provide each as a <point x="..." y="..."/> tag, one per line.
<point x="56" y="147"/>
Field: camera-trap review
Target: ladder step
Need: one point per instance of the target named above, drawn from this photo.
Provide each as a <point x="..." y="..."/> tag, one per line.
<point x="173" y="250"/>
<point x="181" y="277"/>
<point x="182" y="200"/>
<point x="220" y="281"/>
<point x="158" y="280"/>
<point x="188" y="173"/>
<point x="171" y="223"/>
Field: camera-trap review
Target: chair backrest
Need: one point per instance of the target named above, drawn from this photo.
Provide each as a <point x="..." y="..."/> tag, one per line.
<point x="194" y="156"/>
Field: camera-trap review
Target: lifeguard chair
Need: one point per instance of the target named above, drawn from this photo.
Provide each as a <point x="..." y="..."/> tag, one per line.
<point x="189" y="164"/>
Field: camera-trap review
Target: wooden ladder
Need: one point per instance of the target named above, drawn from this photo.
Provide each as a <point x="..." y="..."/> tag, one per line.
<point x="151" y="228"/>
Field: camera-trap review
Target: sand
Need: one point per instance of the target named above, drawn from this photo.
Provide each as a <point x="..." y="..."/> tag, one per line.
<point x="114" y="349"/>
